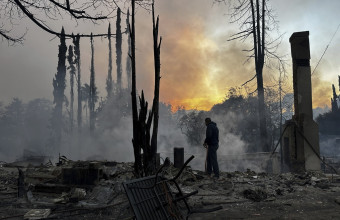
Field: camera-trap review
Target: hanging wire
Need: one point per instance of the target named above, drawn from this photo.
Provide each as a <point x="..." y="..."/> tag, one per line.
<point x="326" y="48"/>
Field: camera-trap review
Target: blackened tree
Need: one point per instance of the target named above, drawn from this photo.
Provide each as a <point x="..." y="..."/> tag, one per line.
<point x="76" y="43"/>
<point x="85" y="95"/>
<point x="70" y="59"/>
<point x="255" y="18"/>
<point x="93" y="91"/>
<point x="135" y="139"/>
<point x="109" y="82"/>
<point x="157" y="63"/>
<point x="128" y="60"/>
<point x="142" y="121"/>
<point x="119" y="51"/>
<point x="59" y="85"/>
<point x="334" y="101"/>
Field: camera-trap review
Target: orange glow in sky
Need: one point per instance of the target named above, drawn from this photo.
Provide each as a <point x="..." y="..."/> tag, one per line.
<point x="198" y="63"/>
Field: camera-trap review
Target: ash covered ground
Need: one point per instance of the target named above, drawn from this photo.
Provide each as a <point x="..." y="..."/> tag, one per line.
<point x="243" y="195"/>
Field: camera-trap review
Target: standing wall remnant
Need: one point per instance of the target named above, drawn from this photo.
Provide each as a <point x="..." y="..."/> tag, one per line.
<point x="301" y="149"/>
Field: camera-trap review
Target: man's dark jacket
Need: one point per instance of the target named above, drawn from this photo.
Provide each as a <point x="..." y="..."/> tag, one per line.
<point x="211" y="134"/>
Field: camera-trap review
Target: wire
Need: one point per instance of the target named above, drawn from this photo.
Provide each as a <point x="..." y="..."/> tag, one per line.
<point x="279" y="141"/>
<point x="326" y="49"/>
<point x="312" y="148"/>
<point x="308" y="143"/>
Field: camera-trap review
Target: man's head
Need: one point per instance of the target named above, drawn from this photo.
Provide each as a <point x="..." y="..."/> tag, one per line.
<point x="207" y="121"/>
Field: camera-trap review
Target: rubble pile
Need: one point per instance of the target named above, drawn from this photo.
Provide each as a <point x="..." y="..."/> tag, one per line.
<point x="72" y="189"/>
<point x="93" y="189"/>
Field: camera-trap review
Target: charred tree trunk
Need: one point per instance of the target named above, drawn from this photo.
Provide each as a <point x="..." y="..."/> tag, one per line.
<point x="128" y="60"/>
<point x="281" y="117"/>
<point x="157" y="62"/>
<point x="109" y="74"/>
<point x="76" y="43"/>
<point x="259" y="50"/>
<point x="92" y="93"/>
<point x="262" y="113"/>
<point x="58" y="91"/>
<point x="135" y="139"/>
<point x="72" y="73"/>
<point x="142" y="123"/>
<point x="119" y="51"/>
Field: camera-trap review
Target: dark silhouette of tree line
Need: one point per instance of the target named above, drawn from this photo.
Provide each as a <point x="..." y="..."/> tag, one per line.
<point x="24" y="125"/>
<point x="87" y="92"/>
<point x="329" y="122"/>
<point x="143" y="138"/>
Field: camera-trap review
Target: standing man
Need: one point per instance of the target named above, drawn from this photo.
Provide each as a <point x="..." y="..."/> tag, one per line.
<point x="211" y="142"/>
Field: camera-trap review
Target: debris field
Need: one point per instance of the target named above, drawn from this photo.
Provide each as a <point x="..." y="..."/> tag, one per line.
<point x="93" y="189"/>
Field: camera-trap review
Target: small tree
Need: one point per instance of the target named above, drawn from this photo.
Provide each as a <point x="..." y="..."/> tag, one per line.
<point x="192" y="126"/>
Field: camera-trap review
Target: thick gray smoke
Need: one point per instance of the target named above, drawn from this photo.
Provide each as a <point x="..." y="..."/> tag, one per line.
<point x="27" y="127"/>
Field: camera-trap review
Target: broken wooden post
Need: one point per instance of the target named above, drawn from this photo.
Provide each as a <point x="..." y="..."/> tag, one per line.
<point x="178" y="157"/>
<point x="21" y="184"/>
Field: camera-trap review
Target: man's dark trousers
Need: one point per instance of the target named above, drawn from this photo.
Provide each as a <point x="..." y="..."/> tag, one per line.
<point x="212" y="161"/>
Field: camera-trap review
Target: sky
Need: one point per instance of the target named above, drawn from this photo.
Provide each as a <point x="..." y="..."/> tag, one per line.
<point x="198" y="63"/>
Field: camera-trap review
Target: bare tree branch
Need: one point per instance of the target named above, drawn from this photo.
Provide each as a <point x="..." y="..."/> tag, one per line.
<point x="10" y="39"/>
<point x="12" y="11"/>
<point x="249" y="80"/>
<point x="46" y="28"/>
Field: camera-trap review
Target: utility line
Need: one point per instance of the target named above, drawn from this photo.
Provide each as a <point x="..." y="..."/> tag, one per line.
<point x="326" y="48"/>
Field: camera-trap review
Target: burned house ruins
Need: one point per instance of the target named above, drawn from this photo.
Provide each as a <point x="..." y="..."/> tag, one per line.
<point x="115" y="125"/>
